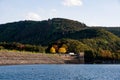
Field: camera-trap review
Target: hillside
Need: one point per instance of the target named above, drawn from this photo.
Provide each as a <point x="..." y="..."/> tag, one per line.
<point x="98" y="45"/>
<point x="114" y="30"/>
<point x="38" y="32"/>
<point x="44" y="32"/>
<point x="48" y="31"/>
<point x="73" y="36"/>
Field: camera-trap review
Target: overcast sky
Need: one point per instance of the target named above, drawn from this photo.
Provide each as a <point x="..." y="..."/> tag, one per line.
<point x="90" y="12"/>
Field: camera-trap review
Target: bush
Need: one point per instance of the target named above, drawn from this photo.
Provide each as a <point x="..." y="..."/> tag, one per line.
<point x="22" y="47"/>
<point x="89" y="56"/>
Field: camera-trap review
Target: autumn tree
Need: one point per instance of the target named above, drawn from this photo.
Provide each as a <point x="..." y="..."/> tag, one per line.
<point x="55" y="47"/>
<point x="62" y="50"/>
<point x="106" y="54"/>
<point x="52" y="50"/>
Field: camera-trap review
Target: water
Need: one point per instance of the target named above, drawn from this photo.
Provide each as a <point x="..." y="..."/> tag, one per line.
<point x="60" y="72"/>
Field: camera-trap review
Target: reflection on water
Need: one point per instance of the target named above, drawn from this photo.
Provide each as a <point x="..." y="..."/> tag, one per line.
<point x="60" y="72"/>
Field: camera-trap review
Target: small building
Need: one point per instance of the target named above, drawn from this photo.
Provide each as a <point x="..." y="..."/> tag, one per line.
<point x="72" y="53"/>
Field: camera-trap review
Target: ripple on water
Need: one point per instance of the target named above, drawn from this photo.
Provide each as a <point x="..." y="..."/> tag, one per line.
<point x="60" y="72"/>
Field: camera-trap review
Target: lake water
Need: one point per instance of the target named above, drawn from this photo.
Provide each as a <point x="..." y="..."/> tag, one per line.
<point x="60" y="72"/>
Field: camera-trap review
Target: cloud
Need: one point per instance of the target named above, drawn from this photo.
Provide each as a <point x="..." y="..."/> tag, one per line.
<point x="33" y="16"/>
<point x="71" y="3"/>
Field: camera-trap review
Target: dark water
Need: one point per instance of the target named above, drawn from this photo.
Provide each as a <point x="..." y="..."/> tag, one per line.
<point x="60" y="72"/>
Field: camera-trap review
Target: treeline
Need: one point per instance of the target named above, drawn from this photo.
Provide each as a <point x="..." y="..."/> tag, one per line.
<point x="22" y="47"/>
<point x="102" y="56"/>
<point x="95" y="51"/>
<point x="69" y="45"/>
<point x="114" y="30"/>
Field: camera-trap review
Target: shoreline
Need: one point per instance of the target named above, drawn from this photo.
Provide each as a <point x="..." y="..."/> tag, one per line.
<point x="30" y="58"/>
<point x="21" y="58"/>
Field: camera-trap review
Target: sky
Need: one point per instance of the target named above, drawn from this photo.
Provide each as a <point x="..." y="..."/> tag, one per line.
<point x="91" y="12"/>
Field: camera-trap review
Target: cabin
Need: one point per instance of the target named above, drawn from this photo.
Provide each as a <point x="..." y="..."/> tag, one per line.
<point x="71" y="53"/>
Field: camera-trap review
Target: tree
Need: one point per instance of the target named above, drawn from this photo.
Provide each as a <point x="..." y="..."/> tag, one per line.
<point x="55" y="46"/>
<point x="62" y="50"/>
<point x="65" y="46"/>
<point x="89" y="56"/>
<point x="106" y="54"/>
<point x="1" y="47"/>
<point x="52" y="50"/>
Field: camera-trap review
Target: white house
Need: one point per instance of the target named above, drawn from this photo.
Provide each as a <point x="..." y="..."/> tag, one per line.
<point x="72" y="53"/>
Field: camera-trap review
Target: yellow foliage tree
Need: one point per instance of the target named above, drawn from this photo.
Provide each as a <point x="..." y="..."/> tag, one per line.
<point x="62" y="50"/>
<point x="52" y="50"/>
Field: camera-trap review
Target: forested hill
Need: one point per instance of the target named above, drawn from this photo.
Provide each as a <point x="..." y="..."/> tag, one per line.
<point x="114" y="30"/>
<point x="37" y="32"/>
<point x="47" y="31"/>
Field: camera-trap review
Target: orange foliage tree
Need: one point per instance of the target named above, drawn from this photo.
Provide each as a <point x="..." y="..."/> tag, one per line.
<point x="106" y="54"/>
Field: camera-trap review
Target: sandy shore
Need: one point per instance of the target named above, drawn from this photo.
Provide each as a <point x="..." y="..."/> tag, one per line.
<point x="16" y="57"/>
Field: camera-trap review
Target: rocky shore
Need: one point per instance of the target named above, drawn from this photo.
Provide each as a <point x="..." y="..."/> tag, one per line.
<point x="16" y="57"/>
